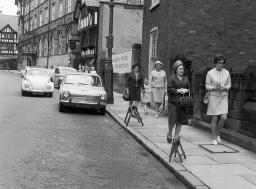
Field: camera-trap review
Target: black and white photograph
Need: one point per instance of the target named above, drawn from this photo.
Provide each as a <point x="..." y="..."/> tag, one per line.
<point x="127" y="94"/>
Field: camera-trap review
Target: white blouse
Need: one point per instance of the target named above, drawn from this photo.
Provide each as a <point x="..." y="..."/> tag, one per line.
<point x="158" y="79"/>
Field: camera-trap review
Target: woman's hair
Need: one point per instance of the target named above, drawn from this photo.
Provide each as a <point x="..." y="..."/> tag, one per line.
<point x="219" y="57"/>
<point x="176" y="65"/>
<point x="135" y="65"/>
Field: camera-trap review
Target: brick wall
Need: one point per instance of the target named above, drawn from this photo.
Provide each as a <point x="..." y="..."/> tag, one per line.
<point x="201" y="28"/>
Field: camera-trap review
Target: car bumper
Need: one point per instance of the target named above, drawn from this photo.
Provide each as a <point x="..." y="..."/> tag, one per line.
<point x="84" y="104"/>
<point x="38" y="91"/>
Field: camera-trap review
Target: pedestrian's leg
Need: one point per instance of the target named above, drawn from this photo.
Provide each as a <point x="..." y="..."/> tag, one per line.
<point x="156" y="110"/>
<point x="214" y="128"/>
<point x="172" y="117"/>
<point x="177" y="131"/>
<point x="220" y="125"/>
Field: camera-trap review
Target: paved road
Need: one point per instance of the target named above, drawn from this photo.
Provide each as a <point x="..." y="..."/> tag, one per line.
<point x="43" y="149"/>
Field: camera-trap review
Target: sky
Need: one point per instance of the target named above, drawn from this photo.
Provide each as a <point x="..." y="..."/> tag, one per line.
<point x="8" y="7"/>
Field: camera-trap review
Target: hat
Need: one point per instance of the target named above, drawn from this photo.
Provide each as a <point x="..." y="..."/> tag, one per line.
<point x="176" y="65"/>
<point x="158" y="62"/>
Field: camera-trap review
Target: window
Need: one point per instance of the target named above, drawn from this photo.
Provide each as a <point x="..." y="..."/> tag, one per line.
<point x="40" y="48"/>
<point x="40" y="18"/>
<point x="46" y="15"/>
<point x="53" y="45"/>
<point x="154" y="3"/>
<point x="45" y="46"/>
<point x="53" y="11"/>
<point x="35" y="21"/>
<point x="95" y="18"/>
<point x="69" y="6"/>
<point x="61" y="9"/>
<point x="153" y="47"/>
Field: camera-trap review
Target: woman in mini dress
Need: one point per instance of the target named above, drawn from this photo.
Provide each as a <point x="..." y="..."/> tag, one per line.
<point x="218" y="83"/>
<point x="158" y="85"/>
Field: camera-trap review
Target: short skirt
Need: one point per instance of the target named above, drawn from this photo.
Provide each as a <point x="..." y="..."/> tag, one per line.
<point x="217" y="105"/>
<point x="176" y="115"/>
<point x="135" y="94"/>
<point x="157" y="94"/>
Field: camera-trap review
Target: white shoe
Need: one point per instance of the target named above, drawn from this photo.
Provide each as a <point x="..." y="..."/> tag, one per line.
<point x="218" y="139"/>
<point x="215" y="142"/>
<point x="156" y="116"/>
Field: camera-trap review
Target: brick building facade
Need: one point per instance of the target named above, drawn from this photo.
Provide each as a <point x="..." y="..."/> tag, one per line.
<point x="46" y="32"/>
<point x="198" y="30"/>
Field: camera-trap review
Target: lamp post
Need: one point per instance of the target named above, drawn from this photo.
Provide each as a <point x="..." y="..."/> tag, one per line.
<point x="109" y="65"/>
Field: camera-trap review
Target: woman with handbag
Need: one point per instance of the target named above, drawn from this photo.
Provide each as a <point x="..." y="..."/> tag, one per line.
<point x="218" y="83"/>
<point x="178" y="86"/>
<point x="135" y="84"/>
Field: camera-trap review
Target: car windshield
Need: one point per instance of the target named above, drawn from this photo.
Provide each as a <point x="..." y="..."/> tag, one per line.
<point x="83" y="80"/>
<point x="37" y="72"/>
<point x="64" y="71"/>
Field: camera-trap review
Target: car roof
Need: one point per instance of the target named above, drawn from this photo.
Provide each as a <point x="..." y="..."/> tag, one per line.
<point x="82" y="73"/>
<point x="62" y="67"/>
<point x="38" y="68"/>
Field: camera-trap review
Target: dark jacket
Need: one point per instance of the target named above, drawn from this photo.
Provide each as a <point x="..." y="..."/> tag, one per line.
<point x="173" y="84"/>
<point x="133" y="83"/>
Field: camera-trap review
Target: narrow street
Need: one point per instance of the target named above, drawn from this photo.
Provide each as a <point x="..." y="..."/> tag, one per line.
<point x="43" y="149"/>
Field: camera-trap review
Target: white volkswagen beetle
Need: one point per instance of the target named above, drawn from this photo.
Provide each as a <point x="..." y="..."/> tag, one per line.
<point x="36" y="81"/>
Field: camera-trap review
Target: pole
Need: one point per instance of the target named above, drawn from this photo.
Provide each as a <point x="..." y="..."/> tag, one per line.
<point x="48" y="38"/>
<point x="109" y="65"/>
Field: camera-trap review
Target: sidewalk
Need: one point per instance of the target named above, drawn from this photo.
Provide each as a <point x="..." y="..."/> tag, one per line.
<point x="207" y="166"/>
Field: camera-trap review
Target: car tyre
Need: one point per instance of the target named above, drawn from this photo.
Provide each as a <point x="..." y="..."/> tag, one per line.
<point x="102" y="111"/>
<point x="61" y="107"/>
<point x="50" y="95"/>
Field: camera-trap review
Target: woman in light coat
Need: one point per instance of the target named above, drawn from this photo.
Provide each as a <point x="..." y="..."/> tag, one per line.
<point x="218" y="83"/>
<point x="158" y="85"/>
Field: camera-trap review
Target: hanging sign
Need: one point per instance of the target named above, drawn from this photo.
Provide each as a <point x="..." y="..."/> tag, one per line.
<point x="122" y="62"/>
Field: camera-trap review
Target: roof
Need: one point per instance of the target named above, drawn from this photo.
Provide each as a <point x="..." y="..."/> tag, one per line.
<point x="9" y="19"/>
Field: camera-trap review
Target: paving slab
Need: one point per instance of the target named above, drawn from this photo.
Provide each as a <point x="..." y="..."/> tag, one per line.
<point x="228" y="182"/>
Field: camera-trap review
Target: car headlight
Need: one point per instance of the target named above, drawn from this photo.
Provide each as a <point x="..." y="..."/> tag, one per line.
<point x="66" y="94"/>
<point x="103" y="96"/>
<point x="48" y="86"/>
<point x="27" y="85"/>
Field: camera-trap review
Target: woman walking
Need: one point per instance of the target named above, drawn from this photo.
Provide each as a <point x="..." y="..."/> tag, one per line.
<point x="134" y="85"/>
<point x="178" y="85"/>
<point x="218" y="83"/>
<point x="158" y="84"/>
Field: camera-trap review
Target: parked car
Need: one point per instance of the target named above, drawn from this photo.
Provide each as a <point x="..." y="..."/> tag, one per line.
<point x="59" y="74"/>
<point x="36" y="81"/>
<point x="82" y="90"/>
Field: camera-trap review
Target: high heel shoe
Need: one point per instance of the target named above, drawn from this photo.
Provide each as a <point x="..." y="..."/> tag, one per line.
<point x="169" y="139"/>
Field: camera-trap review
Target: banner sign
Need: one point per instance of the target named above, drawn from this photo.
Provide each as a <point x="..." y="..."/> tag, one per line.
<point x="122" y="63"/>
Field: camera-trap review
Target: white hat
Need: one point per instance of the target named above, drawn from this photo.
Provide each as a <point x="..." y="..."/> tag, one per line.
<point x="158" y="62"/>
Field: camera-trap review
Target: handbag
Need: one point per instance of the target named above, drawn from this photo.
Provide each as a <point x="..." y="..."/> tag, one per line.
<point x="206" y="98"/>
<point x="185" y="101"/>
<point x="126" y="96"/>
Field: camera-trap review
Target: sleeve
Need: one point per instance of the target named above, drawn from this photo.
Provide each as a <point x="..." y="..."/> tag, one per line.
<point x="165" y="81"/>
<point x="142" y="83"/>
<point x="208" y="82"/>
<point x="128" y="83"/>
<point x="228" y="82"/>
<point x="170" y="86"/>
<point x="150" y="80"/>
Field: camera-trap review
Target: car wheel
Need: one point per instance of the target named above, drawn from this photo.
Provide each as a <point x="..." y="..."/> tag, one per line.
<point x="61" y="107"/>
<point x="50" y="95"/>
<point x="102" y="111"/>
